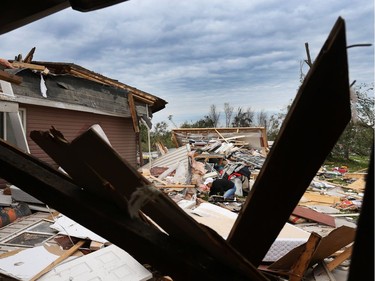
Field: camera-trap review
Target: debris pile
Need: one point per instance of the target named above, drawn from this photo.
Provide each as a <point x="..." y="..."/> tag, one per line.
<point x="287" y="228"/>
<point x="189" y="165"/>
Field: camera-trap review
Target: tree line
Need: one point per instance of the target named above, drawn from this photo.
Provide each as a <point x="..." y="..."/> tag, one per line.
<point x="357" y="139"/>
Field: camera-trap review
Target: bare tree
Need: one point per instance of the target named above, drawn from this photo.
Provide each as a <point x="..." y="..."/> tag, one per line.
<point x="250" y="115"/>
<point x="242" y="118"/>
<point x="170" y="119"/>
<point x="262" y="119"/>
<point x="214" y="116"/>
<point x="228" y="110"/>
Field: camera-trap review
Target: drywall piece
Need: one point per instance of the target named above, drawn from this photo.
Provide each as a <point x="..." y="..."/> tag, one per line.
<point x="219" y="219"/>
<point x="5" y="200"/>
<point x="222" y="220"/>
<point x="108" y="264"/>
<point x="23" y="265"/>
<point x="67" y="226"/>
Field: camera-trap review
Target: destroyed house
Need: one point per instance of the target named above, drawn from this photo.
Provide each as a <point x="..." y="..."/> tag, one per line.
<point x="72" y="98"/>
<point x="249" y="137"/>
<point x="186" y="249"/>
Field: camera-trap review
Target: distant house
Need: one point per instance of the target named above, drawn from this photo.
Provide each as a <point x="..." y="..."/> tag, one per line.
<point x="71" y="99"/>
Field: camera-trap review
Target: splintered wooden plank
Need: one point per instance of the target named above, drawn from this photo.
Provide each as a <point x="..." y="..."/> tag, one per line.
<point x="299" y="268"/>
<point x="133" y="112"/>
<point x="181" y="261"/>
<point x="340" y="258"/>
<point x="99" y="158"/>
<point x="54" y="143"/>
<point x="61" y="258"/>
<point x="310" y="214"/>
<point x="318" y="116"/>
<point x="158" y="206"/>
<point x="334" y="241"/>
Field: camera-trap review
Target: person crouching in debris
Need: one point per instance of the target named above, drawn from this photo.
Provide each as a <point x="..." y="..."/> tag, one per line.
<point x="223" y="187"/>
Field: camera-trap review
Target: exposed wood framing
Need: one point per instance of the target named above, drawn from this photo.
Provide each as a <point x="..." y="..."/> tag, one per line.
<point x="186" y="133"/>
<point x="78" y="71"/>
<point x="138" y="94"/>
<point x="133" y="112"/>
<point x="299" y="151"/>
<point x="41" y="68"/>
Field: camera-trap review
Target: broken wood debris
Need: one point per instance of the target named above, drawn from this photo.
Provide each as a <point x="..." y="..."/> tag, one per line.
<point x="275" y="177"/>
<point x="182" y="247"/>
<point x="218" y="259"/>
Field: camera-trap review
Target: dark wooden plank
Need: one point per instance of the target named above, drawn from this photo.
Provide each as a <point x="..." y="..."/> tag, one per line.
<point x="90" y="150"/>
<point x="362" y="261"/>
<point x="181" y="261"/>
<point x="318" y="116"/>
<point x="59" y="148"/>
<point x="310" y="214"/>
<point x="16" y="15"/>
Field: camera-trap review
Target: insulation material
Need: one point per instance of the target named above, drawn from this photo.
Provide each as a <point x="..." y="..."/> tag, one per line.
<point x="222" y="220"/>
<point x="43" y="87"/>
<point x="180" y="175"/>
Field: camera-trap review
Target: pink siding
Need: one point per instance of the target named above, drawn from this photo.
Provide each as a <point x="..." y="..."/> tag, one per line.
<point x="72" y="123"/>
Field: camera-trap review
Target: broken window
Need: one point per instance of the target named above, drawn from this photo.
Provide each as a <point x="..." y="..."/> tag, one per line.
<point x="6" y="129"/>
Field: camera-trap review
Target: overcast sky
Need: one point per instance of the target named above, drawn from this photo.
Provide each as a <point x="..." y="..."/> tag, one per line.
<point x="197" y="53"/>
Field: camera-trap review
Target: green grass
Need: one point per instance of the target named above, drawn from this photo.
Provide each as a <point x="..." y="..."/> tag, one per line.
<point x="354" y="164"/>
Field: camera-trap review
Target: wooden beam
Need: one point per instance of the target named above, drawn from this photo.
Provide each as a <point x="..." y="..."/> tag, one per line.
<point x="11" y="78"/>
<point x="37" y="67"/>
<point x="340" y="258"/>
<point x="299" y="150"/>
<point x="29" y="56"/>
<point x="91" y="150"/>
<point x="299" y="268"/>
<point x="180" y="260"/>
<point x="133" y="112"/>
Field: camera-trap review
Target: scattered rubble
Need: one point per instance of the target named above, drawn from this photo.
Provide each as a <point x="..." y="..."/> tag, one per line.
<point x="286" y="225"/>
